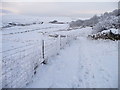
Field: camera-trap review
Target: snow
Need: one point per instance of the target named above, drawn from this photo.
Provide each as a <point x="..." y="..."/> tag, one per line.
<point x="0" y="66"/>
<point x="58" y="72"/>
<point x="17" y="36"/>
<point x="115" y="31"/>
<point x="99" y="61"/>
<point x="83" y="64"/>
<point x="29" y="19"/>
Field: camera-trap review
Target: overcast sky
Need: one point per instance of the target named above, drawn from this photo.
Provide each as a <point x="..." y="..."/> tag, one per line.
<point x="74" y="9"/>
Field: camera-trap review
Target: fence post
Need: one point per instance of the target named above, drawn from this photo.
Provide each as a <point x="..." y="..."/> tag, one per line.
<point x="43" y="49"/>
<point x="66" y="39"/>
<point x="59" y="37"/>
<point x="59" y="43"/>
<point x="43" y="52"/>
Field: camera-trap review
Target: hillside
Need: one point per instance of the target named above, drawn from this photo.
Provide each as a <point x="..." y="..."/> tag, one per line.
<point x="100" y="23"/>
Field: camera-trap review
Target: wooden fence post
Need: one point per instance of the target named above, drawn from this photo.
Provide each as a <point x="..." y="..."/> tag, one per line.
<point x="59" y="38"/>
<point x="43" y="49"/>
<point x="60" y="41"/>
<point x="66" y="39"/>
<point x="43" y="52"/>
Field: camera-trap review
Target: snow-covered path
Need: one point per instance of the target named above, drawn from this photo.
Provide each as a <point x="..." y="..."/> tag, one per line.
<point x="83" y="64"/>
<point x="98" y="64"/>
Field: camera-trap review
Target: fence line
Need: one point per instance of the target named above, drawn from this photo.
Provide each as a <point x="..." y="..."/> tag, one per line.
<point x="19" y="65"/>
<point x="29" y="30"/>
<point x="19" y="47"/>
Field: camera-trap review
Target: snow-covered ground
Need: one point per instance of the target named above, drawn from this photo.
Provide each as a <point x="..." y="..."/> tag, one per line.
<point x="0" y="64"/>
<point x="115" y="31"/>
<point x="83" y="63"/>
<point x="22" y="46"/>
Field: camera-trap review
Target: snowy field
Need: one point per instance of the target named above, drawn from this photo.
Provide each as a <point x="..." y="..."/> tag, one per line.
<point x="84" y="63"/>
<point x="81" y="62"/>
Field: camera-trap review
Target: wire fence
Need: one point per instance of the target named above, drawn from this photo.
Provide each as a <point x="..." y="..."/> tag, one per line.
<point x="19" y="64"/>
<point x="27" y="31"/>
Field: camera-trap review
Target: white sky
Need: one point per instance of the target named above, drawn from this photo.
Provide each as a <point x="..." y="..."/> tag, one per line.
<point x="59" y="0"/>
<point x="55" y="8"/>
